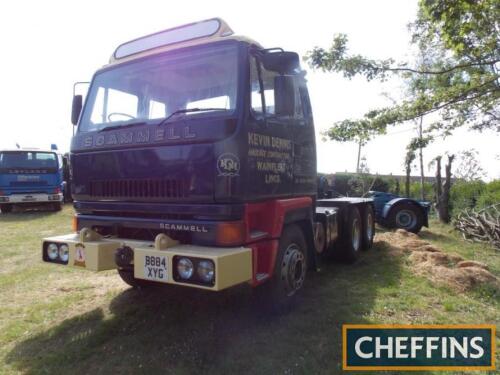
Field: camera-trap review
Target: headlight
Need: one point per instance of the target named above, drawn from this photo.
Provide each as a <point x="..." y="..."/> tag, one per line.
<point x="185" y="268"/>
<point x="64" y="252"/>
<point x="206" y="271"/>
<point x="52" y="251"/>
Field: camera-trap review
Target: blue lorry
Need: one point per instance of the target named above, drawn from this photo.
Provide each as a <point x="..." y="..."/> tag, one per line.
<point x="30" y="177"/>
<point x="393" y="211"/>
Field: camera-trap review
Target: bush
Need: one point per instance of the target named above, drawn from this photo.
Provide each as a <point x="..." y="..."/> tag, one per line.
<point x="490" y="195"/>
<point x="341" y="183"/>
<point x="465" y="194"/>
<point x="428" y="190"/>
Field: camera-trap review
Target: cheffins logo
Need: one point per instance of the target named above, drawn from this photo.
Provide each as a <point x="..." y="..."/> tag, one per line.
<point x="228" y="165"/>
<point x="418" y="347"/>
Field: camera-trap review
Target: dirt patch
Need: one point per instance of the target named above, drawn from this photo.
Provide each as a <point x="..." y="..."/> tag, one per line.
<point x="436" y="265"/>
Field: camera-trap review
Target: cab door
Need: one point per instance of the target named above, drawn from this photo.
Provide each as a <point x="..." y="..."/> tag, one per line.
<point x="270" y="139"/>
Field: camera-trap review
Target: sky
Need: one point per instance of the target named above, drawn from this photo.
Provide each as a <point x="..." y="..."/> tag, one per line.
<point x="49" y="45"/>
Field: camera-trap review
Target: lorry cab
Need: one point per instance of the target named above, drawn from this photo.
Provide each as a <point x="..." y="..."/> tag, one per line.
<point x="194" y="163"/>
<point x="30" y="177"/>
<point x="220" y="121"/>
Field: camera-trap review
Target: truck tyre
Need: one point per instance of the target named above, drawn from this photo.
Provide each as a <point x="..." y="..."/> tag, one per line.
<point x="290" y="268"/>
<point x="57" y="206"/>
<point x="127" y="276"/>
<point x="406" y="216"/>
<point x="6" y="208"/>
<point x="368" y="228"/>
<point x="353" y="236"/>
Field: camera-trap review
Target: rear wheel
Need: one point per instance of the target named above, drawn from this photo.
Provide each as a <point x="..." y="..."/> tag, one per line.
<point x="57" y="206"/>
<point x="6" y="208"/>
<point x="353" y="236"/>
<point x="289" y="270"/>
<point x="406" y="216"/>
<point x="368" y="228"/>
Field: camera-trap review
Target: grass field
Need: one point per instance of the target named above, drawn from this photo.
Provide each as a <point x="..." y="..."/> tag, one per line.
<point x="59" y="320"/>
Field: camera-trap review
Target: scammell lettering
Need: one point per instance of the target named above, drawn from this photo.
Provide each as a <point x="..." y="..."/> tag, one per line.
<point x="184" y="227"/>
<point x="169" y="133"/>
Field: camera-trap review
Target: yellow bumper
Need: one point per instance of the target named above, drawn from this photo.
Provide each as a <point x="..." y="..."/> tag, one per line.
<point x="232" y="265"/>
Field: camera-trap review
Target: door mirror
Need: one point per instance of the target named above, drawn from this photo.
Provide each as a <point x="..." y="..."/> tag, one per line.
<point x="76" y="109"/>
<point x="283" y="62"/>
<point x="284" y="96"/>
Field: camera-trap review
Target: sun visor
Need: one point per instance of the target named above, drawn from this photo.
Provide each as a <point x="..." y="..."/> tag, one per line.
<point x="204" y="29"/>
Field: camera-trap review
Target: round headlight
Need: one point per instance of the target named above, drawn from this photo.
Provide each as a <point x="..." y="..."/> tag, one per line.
<point x="64" y="252"/>
<point x="52" y="251"/>
<point x="185" y="268"/>
<point x="206" y="271"/>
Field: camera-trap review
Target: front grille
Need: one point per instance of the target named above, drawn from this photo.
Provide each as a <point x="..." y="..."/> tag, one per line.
<point x="139" y="188"/>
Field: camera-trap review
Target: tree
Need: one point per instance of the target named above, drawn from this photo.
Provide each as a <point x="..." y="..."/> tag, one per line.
<point x="442" y="189"/>
<point x="458" y="80"/>
<point x="409" y="159"/>
<point x="469" y="168"/>
<point x="415" y="144"/>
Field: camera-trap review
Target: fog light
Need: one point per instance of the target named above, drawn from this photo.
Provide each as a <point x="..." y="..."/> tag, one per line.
<point x="206" y="271"/>
<point x="52" y="251"/>
<point x="64" y="252"/>
<point x="185" y="268"/>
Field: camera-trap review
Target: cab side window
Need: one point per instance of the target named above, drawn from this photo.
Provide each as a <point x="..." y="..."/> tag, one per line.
<point x="268" y="92"/>
<point x="256" y="92"/>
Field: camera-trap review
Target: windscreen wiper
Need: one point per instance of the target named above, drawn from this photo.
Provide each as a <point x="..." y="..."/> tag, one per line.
<point x="122" y="126"/>
<point x="188" y="110"/>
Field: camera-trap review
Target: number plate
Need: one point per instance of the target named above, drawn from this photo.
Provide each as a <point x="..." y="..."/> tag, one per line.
<point x="28" y="198"/>
<point x="155" y="267"/>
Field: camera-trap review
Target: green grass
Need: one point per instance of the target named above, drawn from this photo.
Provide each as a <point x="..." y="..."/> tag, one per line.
<point x="56" y="320"/>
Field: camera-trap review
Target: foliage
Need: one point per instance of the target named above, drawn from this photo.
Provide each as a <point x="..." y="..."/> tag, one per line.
<point x="415" y="190"/>
<point x="490" y="195"/>
<point x="474" y="195"/>
<point x="469" y="168"/>
<point x="351" y="184"/>
<point x="464" y="195"/>
<point x="457" y="77"/>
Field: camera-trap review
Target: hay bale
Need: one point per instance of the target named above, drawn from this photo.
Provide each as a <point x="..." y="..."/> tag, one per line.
<point x="472" y="263"/>
<point x="437" y="266"/>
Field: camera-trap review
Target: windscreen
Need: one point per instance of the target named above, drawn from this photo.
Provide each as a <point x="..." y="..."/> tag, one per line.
<point x="153" y="88"/>
<point x="28" y="160"/>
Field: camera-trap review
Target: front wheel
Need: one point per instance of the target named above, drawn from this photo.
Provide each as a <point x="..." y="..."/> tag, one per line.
<point x="289" y="270"/>
<point x="406" y="216"/>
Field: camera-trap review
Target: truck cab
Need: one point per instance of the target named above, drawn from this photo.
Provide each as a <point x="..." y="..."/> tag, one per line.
<point x="194" y="163"/>
<point x="30" y="177"/>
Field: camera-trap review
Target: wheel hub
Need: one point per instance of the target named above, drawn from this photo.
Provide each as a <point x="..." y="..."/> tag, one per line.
<point x="406" y="219"/>
<point x="293" y="269"/>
